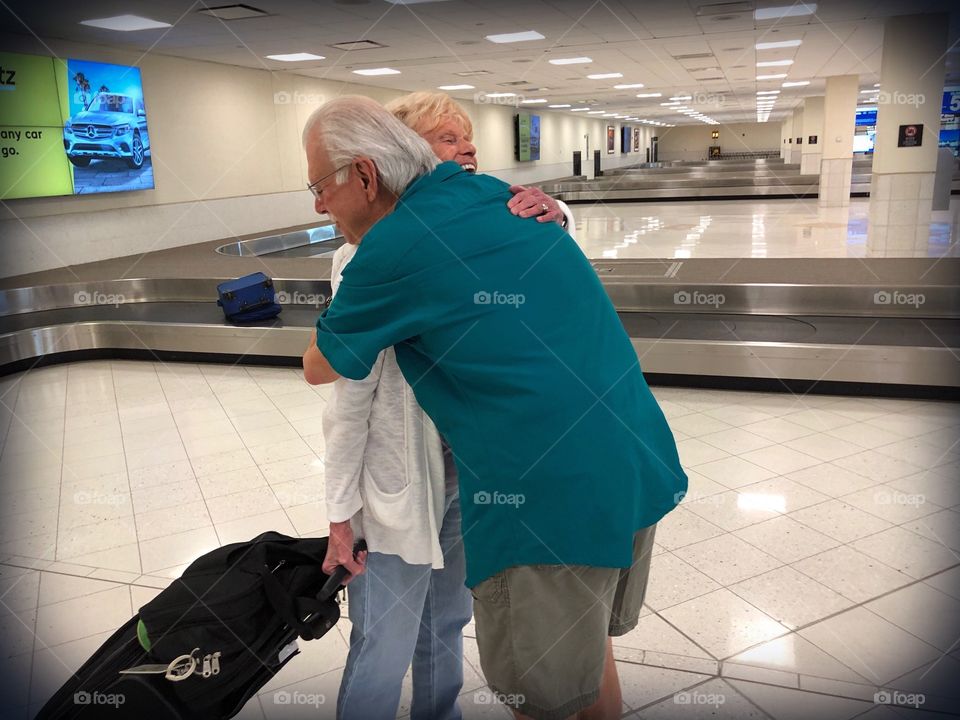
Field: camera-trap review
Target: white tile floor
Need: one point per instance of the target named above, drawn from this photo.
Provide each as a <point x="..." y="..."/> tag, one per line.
<point x="744" y="229"/>
<point x="813" y="564"/>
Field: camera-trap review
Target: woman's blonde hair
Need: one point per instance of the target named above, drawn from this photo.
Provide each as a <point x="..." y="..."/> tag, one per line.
<point x="424" y="111"/>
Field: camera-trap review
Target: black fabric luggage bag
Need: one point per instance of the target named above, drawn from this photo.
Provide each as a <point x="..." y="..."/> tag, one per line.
<point x="212" y="639"/>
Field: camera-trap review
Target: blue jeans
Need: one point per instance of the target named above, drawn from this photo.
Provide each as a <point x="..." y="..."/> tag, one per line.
<point x="404" y="613"/>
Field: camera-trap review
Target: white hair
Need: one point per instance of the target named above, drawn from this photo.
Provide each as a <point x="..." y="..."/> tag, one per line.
<point x="354" y="126"/>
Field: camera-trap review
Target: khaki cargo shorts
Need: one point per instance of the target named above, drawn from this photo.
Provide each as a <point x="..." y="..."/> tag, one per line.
<point x="542" y="629"/>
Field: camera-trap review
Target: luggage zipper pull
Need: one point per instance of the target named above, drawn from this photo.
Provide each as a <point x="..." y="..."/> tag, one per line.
<point x="182" y="667"/>
<point x="206" y="666"/>
<point x="216" y="664"/>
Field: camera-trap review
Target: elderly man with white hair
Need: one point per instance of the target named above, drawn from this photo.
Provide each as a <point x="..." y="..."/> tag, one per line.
<point x="512" y="347"/>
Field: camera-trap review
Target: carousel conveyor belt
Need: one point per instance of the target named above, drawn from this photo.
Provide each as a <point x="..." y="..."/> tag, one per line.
<point x="892" y="351"/>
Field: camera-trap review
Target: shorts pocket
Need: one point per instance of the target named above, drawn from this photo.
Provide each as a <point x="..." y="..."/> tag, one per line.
<point x="388" y="507"/>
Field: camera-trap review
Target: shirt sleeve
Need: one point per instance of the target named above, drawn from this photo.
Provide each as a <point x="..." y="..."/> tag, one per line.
<point x="362" y="320"/>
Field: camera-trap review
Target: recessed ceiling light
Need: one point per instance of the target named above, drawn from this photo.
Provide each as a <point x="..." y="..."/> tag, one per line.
<point x="877" y="85"/>
<point x="649" y="95"/>
<point x="775" y="63"/>
<point x="774" y="13"/>
<point x="798" y="83"/>
<point x="579" y="109"/>
<point x="524" y="36"/>
<point x="604" y="76"/>
<point x="352" y="45"/>
<point x="868" y="92"/>
<point x="501" y="94"/>
<point x="609" y="115"/>
<point x="675" y="103"/>
<point x="233" y="12"/>
<point x="768" y="92"/>
<point x="595" y="112"/>
<point x="570" y="61"/>
<point x="125" y="23"/>
<point x="455" y="87"/>
<point x="628" y="87"/>
<point x="377" y="71"/>
<point x="777" y="45"/>
<point x="533" y="102"/>
<point x="295" y="57"/>
<point x="559" y="106"/>
<point x="771" y="77"/>
<point x="682" y="97"/>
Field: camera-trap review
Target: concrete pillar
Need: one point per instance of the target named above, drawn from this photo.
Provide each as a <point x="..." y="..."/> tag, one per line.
<point x="912" y="74"/>
<point x="797" y="150"/>
<point x="839" y="118"/>
<point x="786" y="137"/>
<point x="812" y="134"/>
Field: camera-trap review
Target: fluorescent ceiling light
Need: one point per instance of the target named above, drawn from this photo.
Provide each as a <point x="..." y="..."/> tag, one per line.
<point x="774" y="13"/>
<point x="682" y="97"/>
<point x="570" y="61"/>
<point x="500" y="94"/>
<point x="771" y="77"/>
<point x="295" y="57"/>
<point x="628" y="87"/>
<point x="613" y="115"/>
<point x="777" y="45"/>
<point x="558" y="106"/>
<point x="595" y="112"/>
<point x="798" y="83"/>
<point x="533" y="102"/>
<point x="125" y="23"/>
<point x="377" y="71"/>
<point x="455" y="87"/>
<point x="604" y="76"/>
<point x="579" y="109"/>
<point x="646" y="95"/>
<point x="868" y="92"/>
<point x="775" y="63"/>
<point x="675" y="103"/>
<point x="877" y="85"/>
<point x="516" y="37"/>
<point x="768" y="92"/>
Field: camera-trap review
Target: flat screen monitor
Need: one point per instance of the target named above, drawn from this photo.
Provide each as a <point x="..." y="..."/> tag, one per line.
<point x="527" y="140"/>
<point x="71" y="127"/>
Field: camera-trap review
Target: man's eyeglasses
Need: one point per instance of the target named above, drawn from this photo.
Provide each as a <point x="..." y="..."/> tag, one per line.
<point x="314" y="188"/>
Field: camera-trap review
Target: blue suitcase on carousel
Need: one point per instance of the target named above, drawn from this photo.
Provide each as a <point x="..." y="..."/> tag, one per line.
<point x="247" y="299"/>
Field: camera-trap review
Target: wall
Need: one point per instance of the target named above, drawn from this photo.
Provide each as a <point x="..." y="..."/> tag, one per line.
<point x="227" y="161"/>
<point x="786" y="138"/>
<point x="690" y="142"/>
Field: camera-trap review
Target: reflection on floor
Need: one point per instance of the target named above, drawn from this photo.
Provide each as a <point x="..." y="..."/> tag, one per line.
<point x="812" y="567"/>
<point x="743" y="228"/>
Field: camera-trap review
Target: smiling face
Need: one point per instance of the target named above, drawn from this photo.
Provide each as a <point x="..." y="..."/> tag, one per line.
<point x="450" y="141"/>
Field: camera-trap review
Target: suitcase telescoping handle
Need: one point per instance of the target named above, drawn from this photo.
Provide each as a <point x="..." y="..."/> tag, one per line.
<point x="333" y="583"/>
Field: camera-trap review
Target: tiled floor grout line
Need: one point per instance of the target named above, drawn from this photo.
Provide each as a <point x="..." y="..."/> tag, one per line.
<point x="126" y="469"/>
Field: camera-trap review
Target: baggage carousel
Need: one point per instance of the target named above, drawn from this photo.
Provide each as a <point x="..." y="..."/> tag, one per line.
<point x="882" y="326"/>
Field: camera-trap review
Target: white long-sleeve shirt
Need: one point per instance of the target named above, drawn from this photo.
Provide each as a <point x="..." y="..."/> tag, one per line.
<point x="384" y="462"/>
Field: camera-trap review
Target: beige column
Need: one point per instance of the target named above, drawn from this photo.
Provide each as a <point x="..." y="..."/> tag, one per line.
<point x="839" y="118"/>
<point x="812" y="134"/>
<point x="797" y="148"/>
<point x="912" y="74"/>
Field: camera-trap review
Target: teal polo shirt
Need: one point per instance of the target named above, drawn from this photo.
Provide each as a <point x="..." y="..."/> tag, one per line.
<point x="514" y="350"/>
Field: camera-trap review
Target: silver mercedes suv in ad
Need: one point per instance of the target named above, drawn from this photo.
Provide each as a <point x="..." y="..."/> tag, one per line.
<point x="111" y="126"/>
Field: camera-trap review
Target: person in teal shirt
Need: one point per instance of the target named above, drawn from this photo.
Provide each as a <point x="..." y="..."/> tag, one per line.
<point x="514" y="350"/>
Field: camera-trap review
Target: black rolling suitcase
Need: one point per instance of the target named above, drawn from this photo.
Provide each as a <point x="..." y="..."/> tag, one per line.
<point x="212" y="639"/>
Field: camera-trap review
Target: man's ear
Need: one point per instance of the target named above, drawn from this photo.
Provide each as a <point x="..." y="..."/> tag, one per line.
<point x="367" y="172"/>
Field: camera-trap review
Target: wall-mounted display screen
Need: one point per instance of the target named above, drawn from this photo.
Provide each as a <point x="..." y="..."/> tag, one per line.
<point x="71" y="127"/>
<point x="527" y="140"/>
<point x="867" y="117"/>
